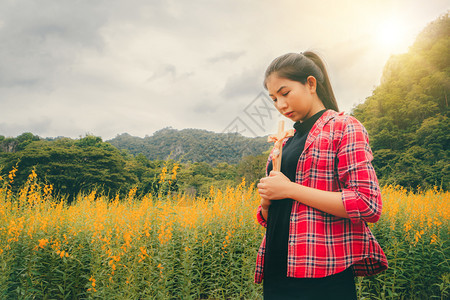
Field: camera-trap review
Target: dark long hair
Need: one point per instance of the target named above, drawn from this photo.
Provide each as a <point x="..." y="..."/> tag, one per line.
<point x="298" y="67"/>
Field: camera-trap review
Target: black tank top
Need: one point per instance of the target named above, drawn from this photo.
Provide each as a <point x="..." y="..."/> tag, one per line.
<point x="277" y="232"/>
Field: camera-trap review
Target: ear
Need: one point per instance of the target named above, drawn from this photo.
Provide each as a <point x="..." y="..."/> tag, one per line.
<point x="311" y="83"/>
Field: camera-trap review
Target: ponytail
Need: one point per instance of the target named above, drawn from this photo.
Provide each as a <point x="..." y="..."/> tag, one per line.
<point x="298" y="67"/>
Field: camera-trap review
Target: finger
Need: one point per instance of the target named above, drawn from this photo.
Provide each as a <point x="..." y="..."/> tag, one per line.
<point x="263" y="179"/>
<point x="273" y="173"/>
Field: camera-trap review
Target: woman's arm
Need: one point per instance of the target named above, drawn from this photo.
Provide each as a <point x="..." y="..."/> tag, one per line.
<point x="361" y="193"/>
<point x="261" y="216"/>
<point x="264" y="208"/>
<point x="277" y="186"/>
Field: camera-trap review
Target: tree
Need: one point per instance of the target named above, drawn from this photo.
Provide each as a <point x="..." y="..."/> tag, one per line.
<point x="253" y="168"/>
<point x="73" y="166"/>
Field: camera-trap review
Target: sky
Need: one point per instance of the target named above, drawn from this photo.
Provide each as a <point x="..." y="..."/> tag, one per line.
<point x="106" y="67"/>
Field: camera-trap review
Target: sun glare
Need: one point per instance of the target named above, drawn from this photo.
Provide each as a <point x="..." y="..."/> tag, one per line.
<point x="390" y="35"/>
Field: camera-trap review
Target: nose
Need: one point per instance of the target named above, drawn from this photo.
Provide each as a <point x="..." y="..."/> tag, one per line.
<point x="281" y="104"/>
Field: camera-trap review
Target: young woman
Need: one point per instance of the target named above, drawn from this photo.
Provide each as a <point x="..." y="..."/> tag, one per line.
<point x="317" y="208"/>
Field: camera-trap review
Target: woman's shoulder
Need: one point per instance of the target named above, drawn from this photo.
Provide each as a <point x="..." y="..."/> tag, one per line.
<point x="341" y="118"/>
<point x="342" y="124"/>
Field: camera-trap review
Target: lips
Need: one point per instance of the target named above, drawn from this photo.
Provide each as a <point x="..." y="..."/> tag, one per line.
<point x="289" y="114"/>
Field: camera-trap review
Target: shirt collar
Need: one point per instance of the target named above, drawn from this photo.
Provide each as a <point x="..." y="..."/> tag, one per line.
<point x="305" y="126"/>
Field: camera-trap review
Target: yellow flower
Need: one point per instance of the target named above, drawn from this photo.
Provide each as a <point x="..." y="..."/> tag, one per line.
<point x="408" y="226"/>
<point x="418" y="235"/>
<point x="43" y="242"/>
<point x="174" y="171"/>
<point x="92" y="280"/>
<point x="434" y="239"/>
<point x="162" y="176"/>
<point x="12" y="174"/>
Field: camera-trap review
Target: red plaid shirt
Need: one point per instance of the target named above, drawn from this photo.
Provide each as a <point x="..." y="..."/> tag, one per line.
<point x="336" y="157"/>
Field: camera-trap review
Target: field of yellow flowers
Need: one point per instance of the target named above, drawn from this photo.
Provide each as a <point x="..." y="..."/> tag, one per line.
<point x="175" y="247"/>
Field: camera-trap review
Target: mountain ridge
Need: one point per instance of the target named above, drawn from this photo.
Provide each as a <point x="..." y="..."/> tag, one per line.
<point x="192" y="145"/>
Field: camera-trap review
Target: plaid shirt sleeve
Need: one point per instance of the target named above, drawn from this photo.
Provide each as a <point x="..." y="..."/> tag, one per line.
<point x="360" y="194"/>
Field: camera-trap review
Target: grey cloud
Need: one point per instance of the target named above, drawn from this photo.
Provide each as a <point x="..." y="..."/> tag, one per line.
<point x="163" y="71"/>
<point x="205" y="107"/>
<point x="41" y="126"/>
<point x="41" y="39"/>
<point x="168" y="71"/>
<point x="249" y="82"/>
<point x="227" y="56"/>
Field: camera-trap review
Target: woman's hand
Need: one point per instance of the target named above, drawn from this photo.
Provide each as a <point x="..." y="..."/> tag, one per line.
<point x="265" y="203"/>
<point x="277" y="186"/>
<point x="274" y="187"/>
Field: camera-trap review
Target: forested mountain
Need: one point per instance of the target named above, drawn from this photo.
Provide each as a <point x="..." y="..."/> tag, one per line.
<point x="407" y="116"/>
<point x="192" y="145"/>
<point x="88" y="164"/>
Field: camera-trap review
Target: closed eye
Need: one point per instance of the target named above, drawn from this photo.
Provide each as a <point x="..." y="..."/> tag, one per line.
<point x="285" y="94"/>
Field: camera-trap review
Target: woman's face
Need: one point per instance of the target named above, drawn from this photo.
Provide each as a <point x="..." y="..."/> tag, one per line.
<point x="293" y="99"/>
